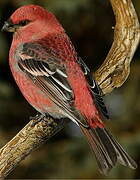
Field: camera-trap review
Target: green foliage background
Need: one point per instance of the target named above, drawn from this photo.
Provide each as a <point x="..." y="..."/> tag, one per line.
<point x="67" y="155"/>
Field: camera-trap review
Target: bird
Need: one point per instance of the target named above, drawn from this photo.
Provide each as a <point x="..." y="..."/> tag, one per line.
<point x="55" y="81"/>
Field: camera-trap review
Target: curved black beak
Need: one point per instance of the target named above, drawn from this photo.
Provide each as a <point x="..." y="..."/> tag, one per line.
<point x="8" y="26"/>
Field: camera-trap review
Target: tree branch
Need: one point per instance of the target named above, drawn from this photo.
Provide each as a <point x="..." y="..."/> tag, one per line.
<point x="26" y="141"/>
<point x="112" y="73"/>
<point x="116" y="67"/>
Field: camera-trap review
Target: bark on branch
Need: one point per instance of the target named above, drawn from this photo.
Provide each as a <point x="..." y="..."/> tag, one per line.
<point x="112" y="73"/>
<point x="116" y="67"/>
<point x="26" y="141"/>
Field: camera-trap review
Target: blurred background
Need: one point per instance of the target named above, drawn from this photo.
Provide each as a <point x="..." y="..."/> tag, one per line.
<point x="67" y="155"/>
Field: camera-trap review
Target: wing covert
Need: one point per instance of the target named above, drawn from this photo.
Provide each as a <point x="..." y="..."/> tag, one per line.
<point x="95" y="89"/>
<point x="49" y="74"/>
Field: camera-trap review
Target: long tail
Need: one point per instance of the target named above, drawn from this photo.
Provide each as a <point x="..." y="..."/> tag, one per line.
<point x="107" y="150"/>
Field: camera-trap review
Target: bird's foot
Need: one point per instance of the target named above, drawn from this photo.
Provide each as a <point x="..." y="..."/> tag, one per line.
<point x="36" y="119"/>
<point x="42" y="117"/>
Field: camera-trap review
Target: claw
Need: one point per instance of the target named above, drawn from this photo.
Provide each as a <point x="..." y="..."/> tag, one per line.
<point x="42" y="117"/>
<point x="34" y="117"/>
<point x="37" y="119"/>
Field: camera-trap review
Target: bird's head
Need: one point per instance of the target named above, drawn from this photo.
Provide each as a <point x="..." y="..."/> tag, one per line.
<point x="32" y="19"/>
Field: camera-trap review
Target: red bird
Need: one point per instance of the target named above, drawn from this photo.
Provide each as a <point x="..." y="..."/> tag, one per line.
<point x="56" y="81"/>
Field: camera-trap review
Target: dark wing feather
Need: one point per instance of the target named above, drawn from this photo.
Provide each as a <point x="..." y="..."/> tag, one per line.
<point x="50" y="76"/>
<point x="95" y="89"/>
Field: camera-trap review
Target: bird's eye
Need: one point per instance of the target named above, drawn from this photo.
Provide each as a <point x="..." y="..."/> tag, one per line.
<point x="24" y="22"/>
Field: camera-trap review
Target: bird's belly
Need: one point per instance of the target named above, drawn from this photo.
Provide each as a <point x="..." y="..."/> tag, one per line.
<point x="37" y="98"/>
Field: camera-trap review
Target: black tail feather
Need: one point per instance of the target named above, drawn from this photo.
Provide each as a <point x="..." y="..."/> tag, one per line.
<point x="122" y="157"/>
<point x="107" y="150"/>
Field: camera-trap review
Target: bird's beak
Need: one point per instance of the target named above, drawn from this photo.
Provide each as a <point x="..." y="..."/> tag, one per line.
<point x="9" y="26"/>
